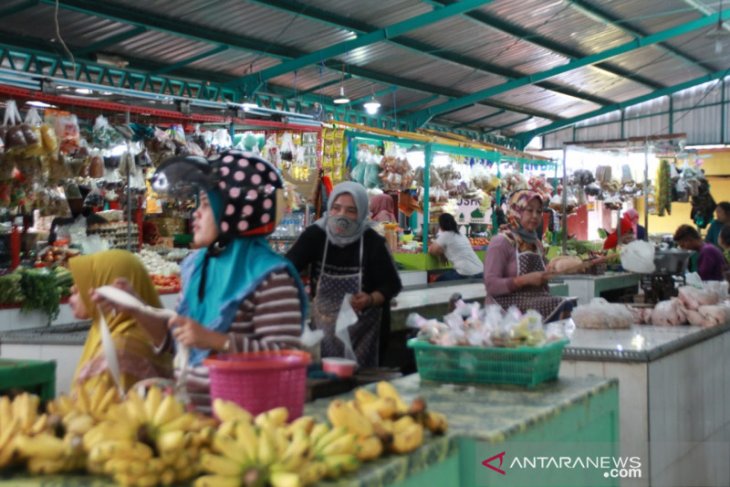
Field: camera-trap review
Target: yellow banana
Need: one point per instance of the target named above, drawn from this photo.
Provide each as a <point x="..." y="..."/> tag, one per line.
<point x="319" y="430"/>
<point x="329" y="437"/>
<point x="230" y="449"/>
<point x="305" y="423"/>
<point x="230" y="411"/>
<point x="171" y="441"/>
<point x="184" y="422"/>
<point x="343" y="445"/>
<point x="338" y="464"/>
<point x="247" y="439"/>
<point x="266" y="448"/>
<point x="220" y="465"/>
<point x="274" y="417"/>
<point x="170" y="408"/>
<point x="6" y="413"/>
<point x="149" y="480"/>
<point x="117" y="465"/>
<point x="364" y="396"/>
<point x="152" y="401"/>
<point x="402" y="424"/>
<point x="369" y="448"/>
<point x="41" y="423"/>
<point x="386" y="389"/>
<point x="217" y="481"/>
<point x="436" y="422"/>
<point x="408" y="439"/>
<point x="284" y="479"/>
<point x="281" y="441"/>
<point x="295" y="455"/>
<point x="45" y="466"/>
<point x="167" y="477"/>
<point x="340" y="414"/>
<point x="79" y="425"/>
<point x="43" y="446"/>
<point x="313" y="472"/>
<point x="134" y="406"/>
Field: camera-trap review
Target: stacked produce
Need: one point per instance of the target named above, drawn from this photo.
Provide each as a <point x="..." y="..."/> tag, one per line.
<point x="36" y="289"/>
<point x="264" y="450"/>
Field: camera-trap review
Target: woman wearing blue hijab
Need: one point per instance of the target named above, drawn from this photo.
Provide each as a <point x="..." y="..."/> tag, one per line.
<point x="238" y="295"/>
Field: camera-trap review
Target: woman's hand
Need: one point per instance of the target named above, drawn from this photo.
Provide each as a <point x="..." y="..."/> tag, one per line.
<point x="107" y="305"/>
<point x="190" y="333"/>
<point x="536" y="279"/>
<point x="361" y="301"/>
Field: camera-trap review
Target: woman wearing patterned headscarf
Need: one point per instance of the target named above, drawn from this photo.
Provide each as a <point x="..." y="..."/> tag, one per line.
<point x="515" y="266"/>
<point x="238" y="295"/>
<point x="346" y="256"/>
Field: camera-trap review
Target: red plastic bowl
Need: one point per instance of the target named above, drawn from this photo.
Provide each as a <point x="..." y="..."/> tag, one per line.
<point x="341" y="367"/>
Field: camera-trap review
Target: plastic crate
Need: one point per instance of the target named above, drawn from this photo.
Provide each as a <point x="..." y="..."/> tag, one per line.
<point x="523" y="366"/>
<point x="34" y="376"/>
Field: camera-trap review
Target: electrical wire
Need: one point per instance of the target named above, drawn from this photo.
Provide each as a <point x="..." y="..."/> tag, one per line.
<point x="60" y="38"/>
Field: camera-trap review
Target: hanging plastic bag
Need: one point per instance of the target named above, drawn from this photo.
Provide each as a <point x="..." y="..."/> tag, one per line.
<point x="67" y="131"/>
<point x="638" y="256"/>
<point x="345" y="319"/>
<point x="14" y="137"/>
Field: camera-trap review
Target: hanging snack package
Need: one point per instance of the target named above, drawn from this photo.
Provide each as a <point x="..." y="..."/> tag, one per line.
<point x="15" y="142"/>
<point x="32" y="133"/>
<point x="67" y="130"/>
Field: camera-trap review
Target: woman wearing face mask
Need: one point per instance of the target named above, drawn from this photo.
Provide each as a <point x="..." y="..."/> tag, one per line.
<point x="345" y="256"/>
<point x="135" y="354"/>
<point x="238" y="295"/>
<point x="515" y="267"/>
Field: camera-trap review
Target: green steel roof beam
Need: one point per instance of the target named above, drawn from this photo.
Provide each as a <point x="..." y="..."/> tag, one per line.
<point x="6" y="12"/>
<point x="414" y="104"/>
<point x="252" y="82"/>
<point x="475" y="120"/>
<point x="190" y="60"/>
<point x="110" y="41"/>
<point x="423" y="48"/>
<point x="191" y="31"/>
<point x="509" y="125"/>
<point x="419" y="118"/>
<point x="176" y="27"/>
<point x="604" y="17"/>
<point x="534" y="38"/>
<point x="526" y="137"/>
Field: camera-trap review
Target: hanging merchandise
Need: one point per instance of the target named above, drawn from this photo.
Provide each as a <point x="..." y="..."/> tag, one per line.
<point x="513" y="181"/>
<point x="603" y="176"/>
<point x="334" y="149"/>
<point x="104" y="135"/>
<point x="703" y="205"/>
<point x="664" y="189"/>
<point x="396" y="174"/>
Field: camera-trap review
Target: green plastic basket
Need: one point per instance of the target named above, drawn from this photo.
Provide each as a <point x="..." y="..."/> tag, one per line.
<point x="524" y="366"/>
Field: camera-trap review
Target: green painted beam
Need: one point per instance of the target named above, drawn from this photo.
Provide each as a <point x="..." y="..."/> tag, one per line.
<point x="20" y="7"/>
<point x="191" y="59"/>
<point x="414" y="104"/>
<point x="423" y="48"/>
<point x="110" y="41"/>
<point x="602" y="16"/>
<point x="422" y="117"/>
<point x="475" y="120"/>
<point x="525" y="137"/>
<point x="252" y="82"/>
<point x="533" y="37"/>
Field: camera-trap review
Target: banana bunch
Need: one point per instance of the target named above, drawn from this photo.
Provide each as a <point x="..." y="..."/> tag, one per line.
<point x="19" y="418"/>
<point x="89" y="399"/>
<point x="148" y="440"/>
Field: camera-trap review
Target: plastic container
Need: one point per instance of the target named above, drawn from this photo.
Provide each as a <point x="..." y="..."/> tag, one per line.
<point x="524" y="366"/>
<point x="341" y="367"/>
<point x="259" y="381"/>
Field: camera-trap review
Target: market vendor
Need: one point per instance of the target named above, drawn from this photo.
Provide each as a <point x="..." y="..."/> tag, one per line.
<point x="630" y="230"/>
<point x="722" y="218"/>
<point x="515" y="266"/>
<point x="456" y="248"/>
<point x="135" y="354"/>
<point x="345" y="255"/>
<point x="238" y="295"/>
<point x="382" y="208"/>
<point x="711" y="264"/>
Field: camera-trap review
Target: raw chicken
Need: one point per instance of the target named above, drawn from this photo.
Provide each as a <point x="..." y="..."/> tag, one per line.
<point x="714" y="314"/>
<point x="601" y="314"/>
<point x="668" y="313"/>
<point x="693" y="298"/>
<point x="565" y="264"/>
<point x="695" y="318"/>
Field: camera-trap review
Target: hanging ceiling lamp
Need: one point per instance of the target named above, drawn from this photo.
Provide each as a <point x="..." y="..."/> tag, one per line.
<point x="719" y="33"/>
<point x="342" y="99"/>
<point x="372" y="106"/>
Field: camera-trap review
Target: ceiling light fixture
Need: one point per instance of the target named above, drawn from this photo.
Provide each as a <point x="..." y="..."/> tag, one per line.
<point x="719" y="33"/>
<point x="84" y="91"/>
<point x="372" y="106"/>
<point x="342" y="99"/>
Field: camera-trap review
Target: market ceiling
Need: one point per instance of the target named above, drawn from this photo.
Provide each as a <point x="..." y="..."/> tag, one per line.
<point x="509" y="67"/>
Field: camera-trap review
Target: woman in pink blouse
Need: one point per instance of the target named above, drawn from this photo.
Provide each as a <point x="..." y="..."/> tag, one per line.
<point x="515" y="266"/>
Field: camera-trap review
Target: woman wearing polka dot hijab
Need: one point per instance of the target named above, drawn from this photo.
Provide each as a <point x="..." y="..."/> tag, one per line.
<point x="238" y="295"/>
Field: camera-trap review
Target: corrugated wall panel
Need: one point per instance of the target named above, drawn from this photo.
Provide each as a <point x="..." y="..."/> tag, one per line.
<point x="702" y="125"/>
<point x="642" y="127"/>
<point x="703" y="94"/>
<point x="606" y="131"/>
<point x="555" y="140"/>
<point x="649" y="107"/>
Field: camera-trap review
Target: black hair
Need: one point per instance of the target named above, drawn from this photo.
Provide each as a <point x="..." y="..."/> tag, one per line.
<point x="724" y="236"/>
<point x="447" y="223"/>
<point x="686" y="232"/>
<point x="725" y="206"/>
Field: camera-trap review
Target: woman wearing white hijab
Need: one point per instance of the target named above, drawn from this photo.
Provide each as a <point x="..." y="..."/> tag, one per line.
<point x="345" y="256"/>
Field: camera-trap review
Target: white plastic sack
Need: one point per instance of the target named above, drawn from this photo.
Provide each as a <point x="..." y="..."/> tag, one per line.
<point x="600" y="314"/>
<point x="345" y="319"/>
<point x="638" y="256"/>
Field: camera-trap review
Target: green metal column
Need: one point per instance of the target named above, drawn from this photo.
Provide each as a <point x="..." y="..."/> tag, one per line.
<point x="723" y="112"/>
<point x="426" y="195"/>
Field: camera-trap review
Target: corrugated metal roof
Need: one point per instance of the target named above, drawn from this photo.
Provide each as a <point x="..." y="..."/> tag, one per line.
<point x="556" y="31"/>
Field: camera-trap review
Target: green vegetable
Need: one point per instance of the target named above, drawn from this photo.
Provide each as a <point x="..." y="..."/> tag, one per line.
<point x="40" y="292"/>
<point x="10" y="290"/>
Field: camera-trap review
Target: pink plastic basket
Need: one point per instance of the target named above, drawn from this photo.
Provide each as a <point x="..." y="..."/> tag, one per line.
<point x="259" y="381"/>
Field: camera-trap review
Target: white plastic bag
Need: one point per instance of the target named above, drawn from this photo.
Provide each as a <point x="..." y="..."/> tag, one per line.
<point x="346" y="318"/>
<point x="638" y="256"/>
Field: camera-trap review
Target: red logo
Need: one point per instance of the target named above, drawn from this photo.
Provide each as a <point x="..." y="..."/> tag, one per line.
<point x="488" y="461"/>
